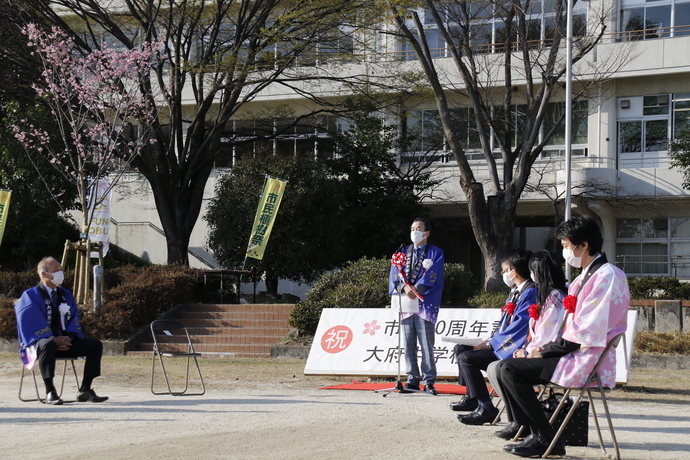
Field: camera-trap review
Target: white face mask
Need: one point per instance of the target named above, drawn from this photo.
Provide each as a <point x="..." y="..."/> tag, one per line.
<point x="531" y="275"/>
<point x="507" y="279"/>
<point x="416" y="236"/>
<point x="570" y="258"/>
<point x="58" y="278"/>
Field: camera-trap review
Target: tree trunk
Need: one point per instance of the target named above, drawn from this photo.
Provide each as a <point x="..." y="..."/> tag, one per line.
<point x="271" y="284"/>
<point x="493" y="225"/>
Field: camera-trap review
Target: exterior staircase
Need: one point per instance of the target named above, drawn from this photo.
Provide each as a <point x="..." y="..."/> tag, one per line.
<point x="227" y="331"/>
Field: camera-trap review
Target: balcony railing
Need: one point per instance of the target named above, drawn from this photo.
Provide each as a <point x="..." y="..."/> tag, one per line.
<point x="655" y="265"/>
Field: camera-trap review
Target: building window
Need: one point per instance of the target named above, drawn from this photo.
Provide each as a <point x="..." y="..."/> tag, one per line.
<point x="286" y="137"/>
<point x="426" y="133"/>
<point x="645" y="126"/>
<point x="487" y="28"/>
<point x="659" y="247"/>
<point x="644" y="20"/>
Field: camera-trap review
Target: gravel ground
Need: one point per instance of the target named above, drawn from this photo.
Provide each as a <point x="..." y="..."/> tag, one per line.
<point x="267" y="409"/>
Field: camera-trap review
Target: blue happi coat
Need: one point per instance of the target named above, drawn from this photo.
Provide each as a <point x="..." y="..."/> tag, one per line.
<point x="32" y="317"/>
<point x="429" y="284"/>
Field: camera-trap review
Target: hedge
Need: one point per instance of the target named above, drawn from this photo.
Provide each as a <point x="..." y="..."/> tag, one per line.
<point x="364" y="284"/>
<point x="132" y="297"/>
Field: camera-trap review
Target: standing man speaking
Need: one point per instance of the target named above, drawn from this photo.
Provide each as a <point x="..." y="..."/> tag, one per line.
<point x="420" y="277"/>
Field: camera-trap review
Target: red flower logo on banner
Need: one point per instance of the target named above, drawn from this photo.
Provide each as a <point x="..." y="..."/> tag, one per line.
<point x="509" y="307"/>
<point x="534" y="311"/>
<point x="570" y="302"/>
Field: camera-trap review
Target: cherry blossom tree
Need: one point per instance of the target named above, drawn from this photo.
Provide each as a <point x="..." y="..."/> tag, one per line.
<point x="102" y="110"/>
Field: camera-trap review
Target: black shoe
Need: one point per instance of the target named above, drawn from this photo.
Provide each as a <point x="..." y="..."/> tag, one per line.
<point x="465" y="404"/>
<point x="53" y="399"/>
<point x="90" y="396"/>
<point x="429" y="388"/>
<point x="508" y="432"/>
<point x="409" y="388"/>
<point x="526" y="442"/>
<point x="479" y="416"/>
<point x="538" y="447"/>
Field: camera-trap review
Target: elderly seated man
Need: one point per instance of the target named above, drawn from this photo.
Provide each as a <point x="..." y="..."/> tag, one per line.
<point x="48" y="326"/>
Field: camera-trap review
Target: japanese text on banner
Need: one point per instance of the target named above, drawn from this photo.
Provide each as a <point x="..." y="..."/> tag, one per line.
<point x="265" y="217"/>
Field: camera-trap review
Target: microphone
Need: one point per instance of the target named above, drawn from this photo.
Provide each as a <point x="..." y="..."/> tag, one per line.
<point x="400" y="249"/>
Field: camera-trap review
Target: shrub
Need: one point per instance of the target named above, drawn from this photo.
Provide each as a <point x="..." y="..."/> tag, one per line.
<point x="658" y="287"/>
<point x="457" y="287"/>
<point x="364" y="284"/>
<point x="8" y="321"/>
<point x="487" y="299"/>
<point x="13" y="284"/>
<point x="138" y="296"/>
<point x="360" y="284"/>
<point x="132" y="297"/>
<point x="666" y="342"/>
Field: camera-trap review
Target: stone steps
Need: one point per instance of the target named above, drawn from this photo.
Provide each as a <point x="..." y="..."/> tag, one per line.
<point x="240" y="331"/>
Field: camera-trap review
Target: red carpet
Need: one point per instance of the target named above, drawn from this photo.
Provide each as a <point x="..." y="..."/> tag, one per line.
<point x="443" y="389"/>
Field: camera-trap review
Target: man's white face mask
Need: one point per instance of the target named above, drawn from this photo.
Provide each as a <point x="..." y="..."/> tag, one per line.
<point x="416" y="236"/>
<point x="571" y="259"/>
<point x="58" y="278"/>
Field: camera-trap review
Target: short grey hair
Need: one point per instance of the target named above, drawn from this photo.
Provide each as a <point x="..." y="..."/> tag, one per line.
<point x="43" y="264"/>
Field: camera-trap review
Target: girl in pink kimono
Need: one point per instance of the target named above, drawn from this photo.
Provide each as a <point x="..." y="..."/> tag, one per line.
<point x="596" y="310"/>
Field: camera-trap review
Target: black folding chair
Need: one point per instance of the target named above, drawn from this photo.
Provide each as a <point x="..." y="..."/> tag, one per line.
<point x="62" y="385"/>
<point x="163" y="346"/>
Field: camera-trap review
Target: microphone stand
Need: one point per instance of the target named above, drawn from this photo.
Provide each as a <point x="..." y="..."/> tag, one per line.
<point x="398" y="384"/>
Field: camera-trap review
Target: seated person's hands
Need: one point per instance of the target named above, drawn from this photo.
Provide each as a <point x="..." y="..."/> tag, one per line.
<point x="536" y="353"/>
<point x="482" y="346"/>
<point x="519" y="353"/>
<point x="63" y="342"/>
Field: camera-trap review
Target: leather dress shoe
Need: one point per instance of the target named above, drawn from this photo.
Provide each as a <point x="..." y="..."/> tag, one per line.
<point x="508" y="432"/>
<point x="429" y="388"/>
<point x="53" y="399"/>
<point x="409" y="388"/>
<point x="537" y="447"/>
<point x="90" y="396"/>
<point x="479" y="416"/>
<point x="527" y="441"/>
<point x="465" y="404"/>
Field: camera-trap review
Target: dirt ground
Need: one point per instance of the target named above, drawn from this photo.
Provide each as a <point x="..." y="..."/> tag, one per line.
<point x="268" y="409"/>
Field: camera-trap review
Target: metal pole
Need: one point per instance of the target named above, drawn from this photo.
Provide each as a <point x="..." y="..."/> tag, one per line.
<point x="568" y="118"/>
<point x="97" y="284"/>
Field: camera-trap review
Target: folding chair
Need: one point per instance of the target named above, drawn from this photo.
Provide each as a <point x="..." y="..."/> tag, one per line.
<point x="62" y="385"/>
<point x="164" y="348"/>
<point x="593" y="379"/>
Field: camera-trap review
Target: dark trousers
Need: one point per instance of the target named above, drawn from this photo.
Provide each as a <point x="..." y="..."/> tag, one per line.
<point x="47" y="351"/>
<point x="471" y="364"/>
<point x="517" y="378"/>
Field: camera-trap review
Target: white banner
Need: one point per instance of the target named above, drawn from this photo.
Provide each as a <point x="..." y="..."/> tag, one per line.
<point x="363" y="341"/>
<point x="100" y="223"/>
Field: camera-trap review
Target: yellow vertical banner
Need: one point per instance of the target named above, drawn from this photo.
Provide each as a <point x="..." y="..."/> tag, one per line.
<point x="265" y="216"/>
<point x="4" y="210"/>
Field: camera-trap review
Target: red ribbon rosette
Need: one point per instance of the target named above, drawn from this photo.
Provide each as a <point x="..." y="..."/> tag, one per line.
<point x="399" y="260"/>
<point x="569" y="303"/>
<point x="509" y="307"/>
<point x="534" y="311"/>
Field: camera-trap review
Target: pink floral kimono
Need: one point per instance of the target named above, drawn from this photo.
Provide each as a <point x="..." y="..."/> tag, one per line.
<point x="601" y="312"/>
<point x="547" y="327"/>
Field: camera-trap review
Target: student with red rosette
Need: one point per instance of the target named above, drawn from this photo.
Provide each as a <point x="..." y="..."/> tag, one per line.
<point x="596" y="311"/>
<point x="509" y="336"/>
<point x="545" y="321"/>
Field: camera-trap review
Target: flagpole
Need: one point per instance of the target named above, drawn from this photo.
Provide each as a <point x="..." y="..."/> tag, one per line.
<point x="568" y="119"/>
